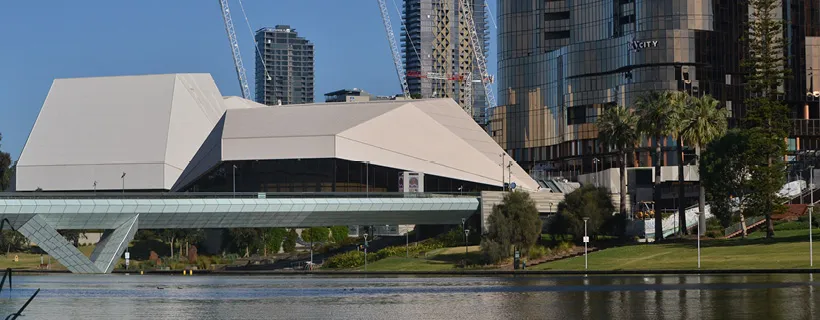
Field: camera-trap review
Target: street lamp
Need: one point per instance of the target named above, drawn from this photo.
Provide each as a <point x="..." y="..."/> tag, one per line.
<point x="234" y="180"/>
<point x="586" y="240"/>
<point x="502" y="155"/>
<point x="699" y="233"/>
<point x="95" y="187"/>
<point x="595" y="162"/>
<point x="123" y="182"/>
<point x="811" y="209"/>
<point x="365" y="252"/>
<point x="466" y="232"/>
<point x="367" y="179"/>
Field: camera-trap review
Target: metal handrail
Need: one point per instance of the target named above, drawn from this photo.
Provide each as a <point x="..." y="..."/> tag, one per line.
<point x="738" y="226"/>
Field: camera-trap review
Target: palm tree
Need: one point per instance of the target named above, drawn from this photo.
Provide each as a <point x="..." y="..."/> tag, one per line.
<point x="704" y="122"/>
<point x="680" y="104"/>
<point x="617" y="129"/>
<point x="657" y="119"/>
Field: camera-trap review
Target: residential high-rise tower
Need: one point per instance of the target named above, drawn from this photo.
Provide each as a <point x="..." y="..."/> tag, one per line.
<point x="289" y="61"/>
<point x="438" y="55"/>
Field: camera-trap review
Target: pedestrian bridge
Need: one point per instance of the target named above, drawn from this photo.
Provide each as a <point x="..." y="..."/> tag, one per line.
<point x="38" y="216"/>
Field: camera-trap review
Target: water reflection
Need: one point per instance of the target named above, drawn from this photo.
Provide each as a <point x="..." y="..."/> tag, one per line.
<point x="523" y="297"/>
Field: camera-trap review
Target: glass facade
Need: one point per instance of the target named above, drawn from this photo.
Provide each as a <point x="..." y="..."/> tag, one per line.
<point x="317" y="175"/>
<point x="561" y="63"/>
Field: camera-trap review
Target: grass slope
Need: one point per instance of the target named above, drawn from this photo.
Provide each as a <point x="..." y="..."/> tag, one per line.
<point x="789" y="249"/>
<point x="437" y="260"/>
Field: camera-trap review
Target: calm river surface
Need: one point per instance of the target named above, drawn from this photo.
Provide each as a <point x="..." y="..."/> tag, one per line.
<point x="324" y="297"/>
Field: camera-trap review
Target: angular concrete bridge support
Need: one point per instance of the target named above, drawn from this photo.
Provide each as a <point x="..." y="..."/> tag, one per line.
<point x="102" y="260"/>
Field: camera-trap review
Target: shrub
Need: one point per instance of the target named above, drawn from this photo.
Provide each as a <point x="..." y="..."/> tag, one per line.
<point x="804" y="220"/>
<point x="354" y="259"/>
<point x="203" y="262"/>
<point x="513" y="222"/>
<point x="339" y="233"/>
<point x="289" y="244"/>
<point x="538" y="252"/>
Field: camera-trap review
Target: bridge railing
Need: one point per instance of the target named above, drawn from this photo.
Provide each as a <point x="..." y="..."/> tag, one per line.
<point x="226" y="195"/>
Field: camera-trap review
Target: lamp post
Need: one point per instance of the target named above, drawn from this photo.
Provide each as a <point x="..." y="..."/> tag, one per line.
<point x="502" y="155"/>
<point x="365" y="252"/>
<point x="95" y="187"/>
<point x="595" y="162"/>
<point x="233" y="175"/>
<point x="463" y="227"/>
<point x="466" y="245"/>
<point x="699" y="214"/>
<point x="407" y="243"/>
<point x="509" y="173"/>
<point x="811" y="209"/>
<point x="586" y="240"/>
<point x="123" y="182"/>
<point x="367" y="179"/>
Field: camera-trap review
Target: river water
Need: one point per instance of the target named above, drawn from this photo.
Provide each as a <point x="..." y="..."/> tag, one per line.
<point x="326" y="297"/>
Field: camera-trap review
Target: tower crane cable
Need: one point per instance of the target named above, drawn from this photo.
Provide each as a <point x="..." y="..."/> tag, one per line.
<point x="256" y="43"/>
<point x="478" y="54"/>
<point x="404" y="27"/>
<point x="391" y="39"/>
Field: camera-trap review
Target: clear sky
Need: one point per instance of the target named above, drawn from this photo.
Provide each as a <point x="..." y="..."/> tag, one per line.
<point x="43" y="40"/>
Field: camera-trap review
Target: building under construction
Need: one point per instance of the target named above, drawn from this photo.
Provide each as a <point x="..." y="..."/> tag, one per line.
<point x="438" y="56"/>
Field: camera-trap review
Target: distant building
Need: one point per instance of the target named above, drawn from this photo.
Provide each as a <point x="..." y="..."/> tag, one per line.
<point x="438" y="55"/>
<point x="356" y="95"/>
<point x="288" y="59"/>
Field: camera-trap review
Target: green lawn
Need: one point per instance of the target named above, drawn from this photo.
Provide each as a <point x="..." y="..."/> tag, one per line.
<point x="437" y="260"/>
<point x="32" y="261"/>
<point x="789" y="249"/>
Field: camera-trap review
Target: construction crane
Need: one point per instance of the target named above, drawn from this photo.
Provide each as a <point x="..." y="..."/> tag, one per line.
<point x="237" y="57"/>
<point x="391" y="38"/>
<point x="478" y="54"/>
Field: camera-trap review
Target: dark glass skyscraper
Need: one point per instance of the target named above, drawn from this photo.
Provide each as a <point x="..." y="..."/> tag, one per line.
<point x="289" y="61"/>
<point x="562" y="62"/>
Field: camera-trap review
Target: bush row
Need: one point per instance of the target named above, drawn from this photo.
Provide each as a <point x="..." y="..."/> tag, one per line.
<point x="355" y="259"/>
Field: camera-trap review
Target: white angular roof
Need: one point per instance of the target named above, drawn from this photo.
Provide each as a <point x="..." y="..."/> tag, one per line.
<point x="433" y="136"/>
<point x="165" y="131"/>
<point x="94" y="129"/>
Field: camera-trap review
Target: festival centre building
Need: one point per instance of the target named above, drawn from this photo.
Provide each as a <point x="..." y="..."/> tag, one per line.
<point x="177" y="133"/>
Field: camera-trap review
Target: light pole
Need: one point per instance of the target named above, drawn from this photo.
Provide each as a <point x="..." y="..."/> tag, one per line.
<point x="407" y="243"/>
<point x="502" y="155"/>
<point x="367" y="179"/>
<point x="811" y="209"/>
<point x="509" y="173"/>
<point x="365" y="252"/>
<point x="595" y="162"/>
<point x="699" y="213"/>
<point x="123" y="182"/>
<point x="586" y="240"/>
<point x="233" y="175"/>
<point x="466" y="245"/>
<point x="95" y="187"/>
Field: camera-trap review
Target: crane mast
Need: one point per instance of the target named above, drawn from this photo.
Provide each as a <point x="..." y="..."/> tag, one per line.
<point x="391" y="38"/>
<point x="478" y="54"/>
<point x="237" y="57"/>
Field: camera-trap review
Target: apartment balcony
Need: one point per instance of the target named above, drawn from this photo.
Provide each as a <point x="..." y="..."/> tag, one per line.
<point x="805" y="127"/>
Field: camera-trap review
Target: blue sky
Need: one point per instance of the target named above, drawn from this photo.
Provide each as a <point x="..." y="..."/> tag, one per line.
<point x="44" y="40"/>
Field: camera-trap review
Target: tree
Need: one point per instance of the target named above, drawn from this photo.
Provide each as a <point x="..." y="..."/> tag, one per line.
<point x="73" y="236"/>
<point x="245" y="238"/>
<point x="170" y="236"/>
<point x="513" y="222"/>
<point x="590" y="202"/>
<point x="6" y="170"/>
<point x="289" y="244"/>
<point x="725" y="173"/>
<point x="658" y="119"/>
<point x="339" y="233"/>
<point x="272" y="239"/>
<point x="11" y="240"/>
<point x="315" y="234"/>
<point x="704" y="122"/>
<point x="766" y="63"/>
<point x="617" y="129"/>
<point x="680" y="104"/>
<point x="189" y="236"/>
